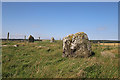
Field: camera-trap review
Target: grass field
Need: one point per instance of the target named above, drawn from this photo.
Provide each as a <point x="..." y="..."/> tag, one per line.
<point x="44" y="60"/>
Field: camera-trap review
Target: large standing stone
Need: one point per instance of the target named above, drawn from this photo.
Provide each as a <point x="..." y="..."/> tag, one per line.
<point x="52" y="39"/>
<point x="31" y="38"/>
<point x="76" y="45"/>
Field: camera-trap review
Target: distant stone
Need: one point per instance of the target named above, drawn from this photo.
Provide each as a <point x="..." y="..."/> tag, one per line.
<point x="4" y="45"/>
<point x="76" y="45"/>
<point x="42" y="47"/>
<point x="52" y="39"/>
<point x="31" y="38"/>
<point x="21" y="40"/>
<point x="15" y="45"/>
<point x="98" y="42"/>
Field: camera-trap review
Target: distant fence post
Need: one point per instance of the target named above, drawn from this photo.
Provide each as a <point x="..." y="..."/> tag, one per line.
<point x="24" y="38"/>
<point x="8" y="36"/>
<point x="39" y="39"/>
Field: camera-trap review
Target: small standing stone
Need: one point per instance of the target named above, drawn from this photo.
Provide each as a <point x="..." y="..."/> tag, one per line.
<point x="31" y="38"/>
<point x="39" y="38"/>
<point x="52" y="39"/>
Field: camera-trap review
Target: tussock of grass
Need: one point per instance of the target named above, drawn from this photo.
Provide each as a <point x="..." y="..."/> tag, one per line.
<point x="28" y="61"/>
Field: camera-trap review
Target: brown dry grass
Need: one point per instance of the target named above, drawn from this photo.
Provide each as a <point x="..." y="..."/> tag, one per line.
<point x="110" y="44"/>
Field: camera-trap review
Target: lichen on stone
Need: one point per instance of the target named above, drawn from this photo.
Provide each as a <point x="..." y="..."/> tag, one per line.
<point x="71" y="36"/>
<point x="76" y="45"/>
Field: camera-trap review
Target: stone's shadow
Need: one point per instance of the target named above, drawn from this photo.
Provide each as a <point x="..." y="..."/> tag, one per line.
<point x="92" y="53"/>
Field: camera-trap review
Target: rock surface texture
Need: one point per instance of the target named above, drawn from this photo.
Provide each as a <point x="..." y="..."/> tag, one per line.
<point x="31" y="38"/>
<point x="76" y="45"/>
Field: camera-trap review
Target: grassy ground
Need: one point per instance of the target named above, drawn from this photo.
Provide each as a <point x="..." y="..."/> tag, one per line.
<point x="44" y="60"/>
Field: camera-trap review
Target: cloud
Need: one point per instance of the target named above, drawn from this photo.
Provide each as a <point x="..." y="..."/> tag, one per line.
<point x="102" y="28"/>
<point x="14" y="36"/>
<point x="21" y="36"/>
<point x="35" y="26"/>
<point x="42" y="36"/>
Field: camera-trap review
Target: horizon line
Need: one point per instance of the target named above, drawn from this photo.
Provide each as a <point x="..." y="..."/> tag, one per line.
<point x="61" y="39"/>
